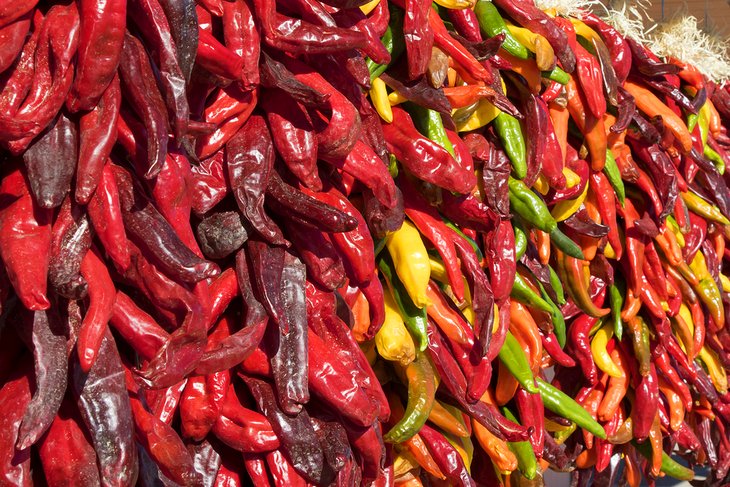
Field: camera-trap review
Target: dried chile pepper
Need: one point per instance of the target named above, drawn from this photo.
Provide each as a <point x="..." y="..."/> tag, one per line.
<point x="101" y="37"/>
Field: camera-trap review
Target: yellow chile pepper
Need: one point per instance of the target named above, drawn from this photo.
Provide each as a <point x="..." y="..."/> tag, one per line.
<point x="541" y="185"/>
<point x="608" y="251"/>
<point x="571" y="178"/>
<point x="379" y="97"/>
<point x="567" y="208"/>
<point x="676" y="231"/>
<point x="714" y="368"/>
<point x="503" y="458"/>
<point x="369" y="7"/>
<point x="411" y="262"/>
<point x="396" y="98"/>
<point x="403" y="463"/>
<point x="583" y="30"/>
<point x="393" y="341"/>
<point x="485" y="113"/>
<point x="600" y="355"/>
<point x="438" y="271"/>
<point x="703" y="208"/>
<point x="544" y="53"/>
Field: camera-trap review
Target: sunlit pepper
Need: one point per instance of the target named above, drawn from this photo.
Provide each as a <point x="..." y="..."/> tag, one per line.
<point x="411" y="262"/>
<point x="393" y="341"/>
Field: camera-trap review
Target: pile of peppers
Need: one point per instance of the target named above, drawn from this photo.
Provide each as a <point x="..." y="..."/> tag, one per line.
<point x="356" y="242"/>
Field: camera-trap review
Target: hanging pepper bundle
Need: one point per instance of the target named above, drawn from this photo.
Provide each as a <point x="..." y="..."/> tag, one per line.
<point x="356" y="243"/>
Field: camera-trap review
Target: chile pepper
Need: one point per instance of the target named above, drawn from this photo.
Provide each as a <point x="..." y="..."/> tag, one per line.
<point x="101" y="36"/>
<point x="15" y="396"/>
<point x="26" y="239"/>
<point x="102" y="399"/>
<point x="138" y="83"/>
<point x="50" y="160"/>
<point x="47" y="341"/>
<point x="413" y="317"/>
<point x="421" y="395"/>
<point x="13" y="35"/>
<point x="559" y="403"/>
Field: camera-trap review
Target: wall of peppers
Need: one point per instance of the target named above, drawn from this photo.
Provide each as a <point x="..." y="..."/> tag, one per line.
<point x="352" y="242"/>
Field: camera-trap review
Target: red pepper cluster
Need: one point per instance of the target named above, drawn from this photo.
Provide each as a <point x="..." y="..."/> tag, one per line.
<point x="193" y="196"/>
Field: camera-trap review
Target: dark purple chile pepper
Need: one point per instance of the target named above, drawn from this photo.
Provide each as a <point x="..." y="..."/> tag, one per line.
<point x="333" y="440"/>
<point x="255" y="311"/>
<point x="626" y="110"/>
<point x="150" y="18"/>
<point x="47" y="339"/>
<point x="51" y="160"/>
<point x="250" y="160"/>
<point x="70" y="240"/>
<point x="382" y="220"/>
<point x="102" y="399"/>
<point x="154" y="235"/>
<point x="267" y="264"/>
<point x="275" y="75"/>
<point x="290" y="202"/>
<point x="183" y="22"/>
<point x="139" y="87"/>
<point x="288" y="352"/>
<point x="297" y="436"/>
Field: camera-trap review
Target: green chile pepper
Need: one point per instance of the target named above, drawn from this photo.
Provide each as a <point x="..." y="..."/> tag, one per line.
<point x="613" y="174"/>
<point x="421" y="397"/>
<point x="526" y="460"/>
<point x="513" y="357"/>
<point x="430" y="124"/>
<point x="510" y="133"/>
<point x="560" y="403"/>
<point x="492" y="24"/>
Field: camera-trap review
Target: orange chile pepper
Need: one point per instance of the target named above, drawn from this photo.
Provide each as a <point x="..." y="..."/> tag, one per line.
<point x="633" y="473"/>
<point x="655" y="438"/>
<point x="589" y="245"/>
<point x="682" y="331"/>
<point x="648" y="103"/>
<point x="675" y="403"/>
<point x="592" y="128"/>
<point x="463" y="96"/>
<point x="586" y="458"/>
<point x="715" y="120"/>
<point x="497" y="449"/>
<point x="560" y="116"/>
<point x="575" y="274"/>
<point x="441" y="417"/>
<point x="632" y="305"/>
<point x="591" y="403"/>
<point x="542" y="239"/>
<point x="527" y="68"/>
<point x="616" y="389"/>
<point x="408" y="480"/>
<point x="361" y="316"/>
<point x="445" y="317"/>
<point x="524" y="328"/>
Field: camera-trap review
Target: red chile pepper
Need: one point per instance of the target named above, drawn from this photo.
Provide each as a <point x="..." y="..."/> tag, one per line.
<point x="242" y="37"/>
<point x="443" y="39"/>
<point x="243" y="429"/>
<point x="357" y="21"/>
<point x="208" y="185"/>
<point x="447" y="458"/>
<point x="217" y="58"/>
<point x="578" y="336"/>
<point x="198" y="413"/>
<point x="67" y="440"/>
<point x="102" y="294"/>
<point x="19" y="79"/>
<point x="209" y="144"/>
<point x="161" y="442"/>
<point x="617" y="45"/>
<point x="532" y="413"/>
<point x="102" y="399"/>
<point x="101" y="36"/>
<point x="499" y="250"/>
<point x="46" y="338"/>
<point x="363" y="164"/>
<point x="14" y="9"/>
<point x="293" y="137"/>
<point x="25" y="240"/>
<point x="154" y="234"/>
<point x="97" y="134"/>
<point x="356" y="246"/>
<point x="424" y="158"/>
<point x="13" y="38"/>
<point x="324" y="265"/>
<point x="137" y="327"/>
<point x="373" y="292"/>
<point x="466" y="23"/>
<point x="606" y="200"/>
<point x="14" y="398"/>
<point x="338" y="137"/>
<point x="429" y="223"/>
<point x="551" y="345"/>
<point x="645" y="404"/>
<point x="106" y="217"/>
<point x="139" y="85"/>
<point x="634" y="254"/>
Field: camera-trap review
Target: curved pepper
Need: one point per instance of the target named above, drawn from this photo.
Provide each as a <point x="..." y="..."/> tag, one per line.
<point x="393" y="341"/>
<point x="411" y="262"/>
<point x="513" y="357"/>
<point x="558" y="402"/>
<point x="421" y="397"/>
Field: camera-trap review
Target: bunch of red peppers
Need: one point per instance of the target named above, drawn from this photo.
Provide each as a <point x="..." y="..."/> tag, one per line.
<point x="351" y="242"/>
